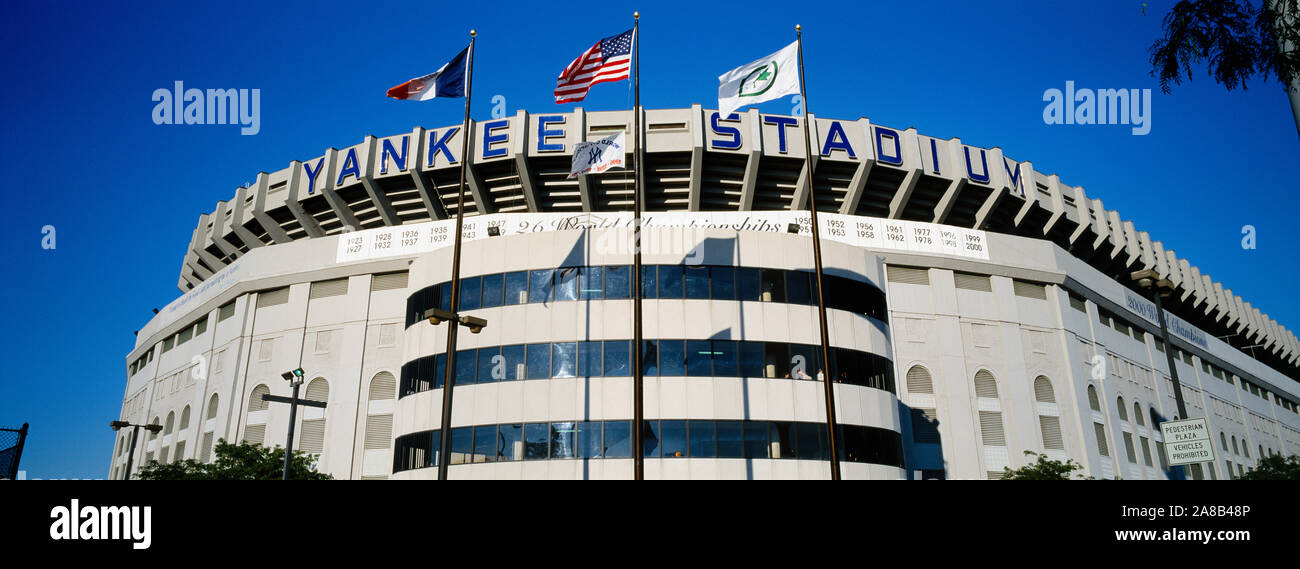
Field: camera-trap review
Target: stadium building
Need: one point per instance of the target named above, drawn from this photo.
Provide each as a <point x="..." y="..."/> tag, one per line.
<point x="977" y="309"/>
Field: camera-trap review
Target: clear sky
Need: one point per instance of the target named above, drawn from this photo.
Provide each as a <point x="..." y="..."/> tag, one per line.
<point x="81" y="153"/>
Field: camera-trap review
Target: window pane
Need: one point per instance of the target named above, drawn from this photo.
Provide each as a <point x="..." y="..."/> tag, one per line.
<point x="486" y="365"/>
<point x="751" y="360"/>
<point x="592" y="283"/>
<point x="808" y="442"/>
<point x="439" y="371"/>
<point x="772" y="284"/>
<point x="537" y="438"/>
<point x="756" y="433"/>
<point x="747" y="284"/>
<point x="462" y="445"/>
<point x="562" y="440"/>
<point x="699" y="358"/>
<point x="797" y="287"/>
<point x="808" y="357"/>
<point x="672" y="357"/>
<point x="617" y="358"/>
<point x="697" y="282"/>
<point x="588" y="360"/>
<point x="566" y="283"/>
<point x="618" y="439"/>
<point x="493" y="286"/>
<point x="730" y="441"/>
<point x="444" y="296"/>
<point x="723" y="282"/>
<point x="516" y="288"/>
<point x="648" y="281"/>
<point x="776" y="359"/>
<point x="618" y="282"/>
<point x="510" y="445"/>
<point x="485" y="443"/>
<point x="589" y="444"/>
<point x="650" y="357"/>
<point x="539" y="361"/>
<point x="539" y="285"/>
<point x="703" y="443"/>
<point x="724" y="358"/>
<point x="650" y="439"/>
<point x="782" y="439"/>
<point x="435" y="440"/>
<point x="465" y="366"/>
<point x="514" y="356"/>
<point x="672" y="437"/>
<point x="563" y="358"/>
<point x="670" y="281"/>
<point x="471" y="291"/>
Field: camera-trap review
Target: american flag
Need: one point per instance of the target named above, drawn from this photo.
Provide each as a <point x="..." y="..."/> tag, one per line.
<point x="609" y="60"/>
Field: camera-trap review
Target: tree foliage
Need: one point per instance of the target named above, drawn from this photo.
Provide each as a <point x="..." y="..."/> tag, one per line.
<point x="243" y="461"/>
<point x="1045" y="469"/>
<point x="1274" y="467"/>
<point x="1237" y="39"/>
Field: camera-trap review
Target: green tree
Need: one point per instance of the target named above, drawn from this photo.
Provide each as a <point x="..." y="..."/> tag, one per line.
<point x="1238" y="39"/>
<point x="1045" y="469"/>
<point x="1274" y="467"/>
<point x="244" y="461"/>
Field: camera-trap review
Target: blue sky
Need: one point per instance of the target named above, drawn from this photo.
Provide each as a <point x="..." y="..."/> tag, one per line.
<point x="82" y="153"/>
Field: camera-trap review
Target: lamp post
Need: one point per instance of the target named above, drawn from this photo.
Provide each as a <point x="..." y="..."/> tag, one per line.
<point x="453" y="318"/>
<point x="135" y="431"/>
<point x="1149" y="279"/>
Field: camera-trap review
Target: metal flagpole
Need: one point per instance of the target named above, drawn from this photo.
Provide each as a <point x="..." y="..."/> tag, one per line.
<point x="817" y="259"/>
<point x="444" y="435"/>
<point x="638" y="412"/>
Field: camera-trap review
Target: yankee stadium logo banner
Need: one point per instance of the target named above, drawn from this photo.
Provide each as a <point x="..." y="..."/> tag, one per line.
<point x="599" y="156"/>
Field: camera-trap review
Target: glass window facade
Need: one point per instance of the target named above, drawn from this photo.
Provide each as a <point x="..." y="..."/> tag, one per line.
<point x="668" y="439"/>
<point x="658" y="281"/>
<point x="673" y="358"/>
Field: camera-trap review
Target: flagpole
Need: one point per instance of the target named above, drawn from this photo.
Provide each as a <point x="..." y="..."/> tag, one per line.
<point x="444" y="446"/>
<point x="817" y="260"/>
<point x="638" y="381"/>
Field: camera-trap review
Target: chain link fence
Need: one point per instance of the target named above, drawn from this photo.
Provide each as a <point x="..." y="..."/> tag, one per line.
<point x="11" y="451"/>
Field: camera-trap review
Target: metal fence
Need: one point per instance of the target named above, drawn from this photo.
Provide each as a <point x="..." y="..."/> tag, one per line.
<point x="11" y="451"/>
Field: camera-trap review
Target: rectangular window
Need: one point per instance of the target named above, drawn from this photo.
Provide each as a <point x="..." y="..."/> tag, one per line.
<point x="486" y="367"/>
<point x="323" y="289"/>
<point x="471" y="291"/>
<point x="226" y="311"/>
<point x="516" y="288"/>
<point x="1102" y="448"/>
<point x="201" y="326"/>
<point x="485" y="443"/>
<point x="1146" y="451"/>
<point x="696" y="281"/>
<point x="672" y="358"/>
<point x="747" y="285"/>
<point x="1128" y="447"/>
<point x="563" y="440"/>
<point x="589" y="443"/>
<point x="539" y="361"/>
<point x="771" y="285"/>
<point x="808" y="441"/>
<point x="618" y="282"/>
<point x="514" y="361"/>
<point x="756" y="441"/>
<point x="781" y="435"/>
<point x="751" y="360"/>
<point x="588" y="359"/>
<point x="537" y="441"/>
<point x="723" y="282"/>
<point x="462" y="445"/>
<point x="730" y="440"/>
<point x="650" y="445"/>
<point x="703" y="439"/>
<point x="510" y="444"/>
<point x="798" y="287"/>
<point x="650" y="357"/>
<point x="649" y="278"/>
<point x="591" y="283"/>
<point x="540" y="285"/>
<point x="618" y="358"/>
<point x="670" y="281"/>
<point x="563" y="359"/>
<point x="566" y="283"/>
<point x="618" y="439"/>
<point x="724" y="358"/>
<point x="672" y="439"/>
<point x="466" y="361"/>
<point x="1078" y="303"/>
<point x="493" y="290"/>
<point x="699" y="358"/>
<point x="184" y="336"/>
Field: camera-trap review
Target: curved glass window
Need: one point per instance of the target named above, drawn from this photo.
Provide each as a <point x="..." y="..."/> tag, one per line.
<point x="661" y="438"/>
<point x="674" y="358"/>
<point x="613" y="282"/>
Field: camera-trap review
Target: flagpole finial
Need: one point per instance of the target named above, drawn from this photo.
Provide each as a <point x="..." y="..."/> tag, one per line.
<point x="636" y="15"/>
<point x="797" y="27"/>
<point x="473" y="33"/>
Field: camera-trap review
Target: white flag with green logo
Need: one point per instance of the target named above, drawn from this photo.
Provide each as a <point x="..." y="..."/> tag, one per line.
<point x="769" y="78"/>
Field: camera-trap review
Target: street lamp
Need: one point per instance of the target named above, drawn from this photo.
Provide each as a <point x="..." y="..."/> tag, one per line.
<point x="1149" y="279"/>
<point x="135" y="430"/>
<point x="475" y="324"/>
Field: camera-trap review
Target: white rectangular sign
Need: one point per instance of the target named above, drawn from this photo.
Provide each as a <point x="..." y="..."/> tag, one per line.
<point x="1187" y="441"/>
